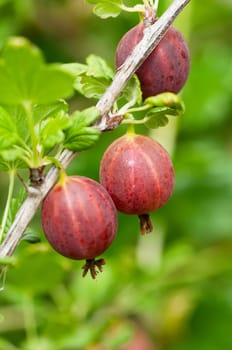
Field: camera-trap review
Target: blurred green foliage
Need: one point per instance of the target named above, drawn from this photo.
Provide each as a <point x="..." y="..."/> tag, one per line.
<point x="172" y="289"/>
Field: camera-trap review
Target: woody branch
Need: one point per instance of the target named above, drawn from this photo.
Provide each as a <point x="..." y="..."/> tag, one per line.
<point x="152" y="36"/>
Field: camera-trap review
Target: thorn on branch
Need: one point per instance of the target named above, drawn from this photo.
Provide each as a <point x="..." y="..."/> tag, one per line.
<point x="113" y="122"/>
<point x="108" y="123"/>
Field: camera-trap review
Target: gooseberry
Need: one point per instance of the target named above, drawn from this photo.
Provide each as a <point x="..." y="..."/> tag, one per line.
<point x="79" y="219"/>
<point x="165" y="69"/>
<point x="138" y="174"/>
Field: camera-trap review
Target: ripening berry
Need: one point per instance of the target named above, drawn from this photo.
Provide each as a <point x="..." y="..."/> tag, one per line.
<point x="138" y="174"/>
<point x="165" y="69"/>
<point x="79" y="219"/>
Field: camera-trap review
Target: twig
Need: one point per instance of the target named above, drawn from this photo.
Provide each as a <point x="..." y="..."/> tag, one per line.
<point x="152" y="36"/>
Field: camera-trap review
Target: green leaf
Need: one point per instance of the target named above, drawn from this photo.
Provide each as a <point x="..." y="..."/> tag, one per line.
<point x="162" y="105"/>
<point x="156" y="117"/>
<point x="51" y="120"/>
<point x="25" y="76"/>
<point x="18" y="66"/>
<point x="80" y="135"/>
<point x="12" y="154"/>
<point x="132" y="91"/>
<point x="4" y="166"/>
<point x="98" y="68"/>
<point x="50" y="84"/>
<point x="95" y="78"/>
<point x="167" y="99"/>
<point x="40" y="112"/>
<point x="86" y="117"/>
<point x="43" y="111"/>
<point x="108" y="8"/>
<point x="75" y="68"/>
<point x="11" y="159"/>
<point x="31" y="236"/>
<point x="32" y="264"/>
<point x="18" y="115"/>
<point x="91" y="87"/>
<point x="52" y="130"/>
<point x="8" y="131"/>
<point x="83" y="140"/>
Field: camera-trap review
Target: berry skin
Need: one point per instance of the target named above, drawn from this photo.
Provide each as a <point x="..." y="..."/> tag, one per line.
<point x="138" y="174"/>
<point x="79" y="219"/>
<point x="165" y="69"/>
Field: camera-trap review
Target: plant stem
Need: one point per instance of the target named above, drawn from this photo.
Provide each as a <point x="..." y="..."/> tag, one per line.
<point x="152" y="36"/>
<point x="134" y="121"/>
<point x="11" y="173"/>
<point x="34" y="142"/>
<point x="156" y="4"/>
<point x="138" y="109"/>
<point x="136" y="8"/>
<point x="147" y="3"/>
<point x="3" y="273"/>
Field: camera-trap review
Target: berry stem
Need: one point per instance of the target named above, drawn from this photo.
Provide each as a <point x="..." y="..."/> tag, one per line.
<point x="131" y="129"/>
<point x="62" y="176"/>
<point x="61" y="171"/>
<point x="145" y="224"/>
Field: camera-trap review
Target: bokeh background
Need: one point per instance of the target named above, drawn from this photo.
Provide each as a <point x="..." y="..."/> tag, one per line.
<point x="169" y="290"/>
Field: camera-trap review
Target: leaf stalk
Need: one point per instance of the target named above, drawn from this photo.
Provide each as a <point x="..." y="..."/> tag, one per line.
<point x="12" y="173"/>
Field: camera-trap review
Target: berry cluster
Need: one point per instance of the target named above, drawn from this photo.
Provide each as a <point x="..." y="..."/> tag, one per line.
<point x="79" y="215"/>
